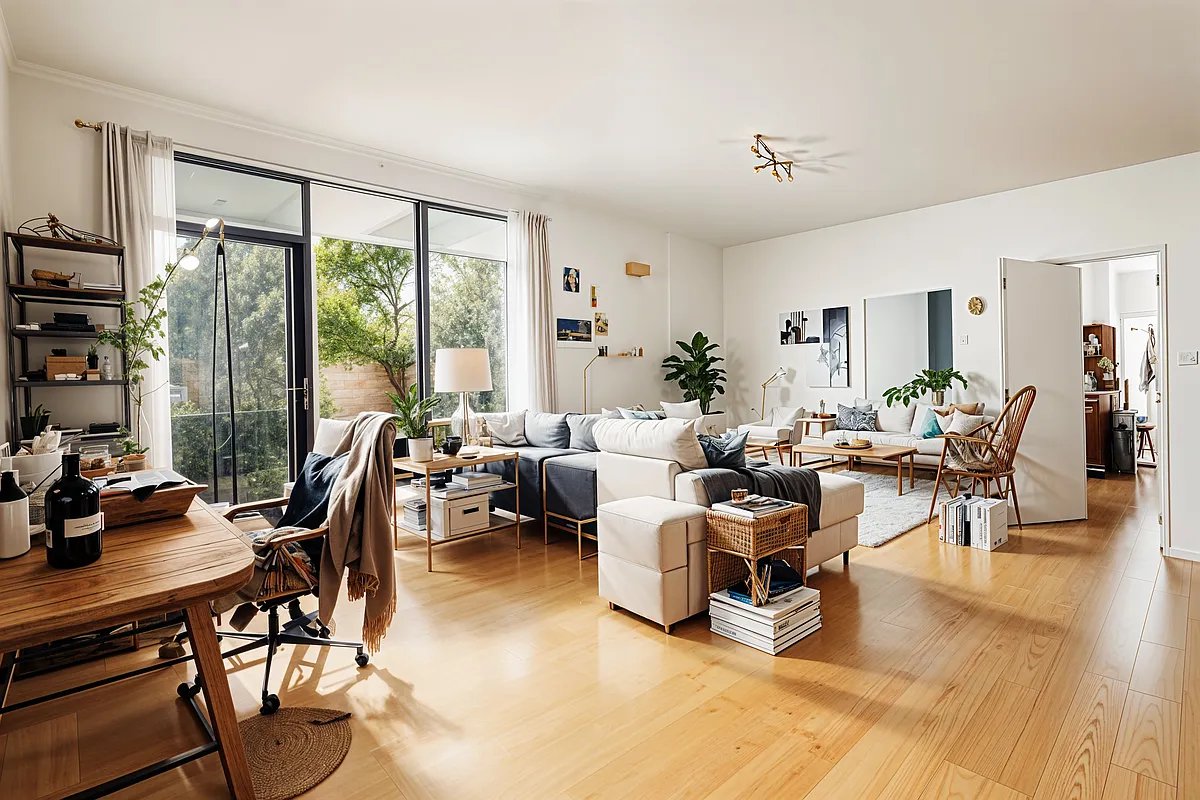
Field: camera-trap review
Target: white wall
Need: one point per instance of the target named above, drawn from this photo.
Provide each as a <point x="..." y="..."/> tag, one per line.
<point x="58" y="169"/>
<point x="897" y="344"/>
<point x="1136" y="292"/>
<point x="959" y="245"/>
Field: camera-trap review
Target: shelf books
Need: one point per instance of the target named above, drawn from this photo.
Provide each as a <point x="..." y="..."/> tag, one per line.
<point x="773" y="627"/>
<point x="472" y="480"/>
<point x="415" y="514"/>
<point x="977" y="522"/>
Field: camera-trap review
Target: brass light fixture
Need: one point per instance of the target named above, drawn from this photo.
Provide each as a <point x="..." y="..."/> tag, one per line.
<point x="769" y="158"/>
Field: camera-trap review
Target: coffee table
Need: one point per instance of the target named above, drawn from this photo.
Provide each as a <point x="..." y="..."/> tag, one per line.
<point x="884" y="452"/>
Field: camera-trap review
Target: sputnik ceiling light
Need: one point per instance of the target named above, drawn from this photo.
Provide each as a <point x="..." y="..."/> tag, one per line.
<point x="770" y="159"/>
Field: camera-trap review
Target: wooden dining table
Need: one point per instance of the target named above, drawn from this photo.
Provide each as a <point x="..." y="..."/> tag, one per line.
<point x="146" y="569"/>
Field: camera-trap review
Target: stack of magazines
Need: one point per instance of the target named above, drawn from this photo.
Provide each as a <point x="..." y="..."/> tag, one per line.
<point x="415" y="514"/>
<point x="792" y="613"/>
<point x="753" y="507"/>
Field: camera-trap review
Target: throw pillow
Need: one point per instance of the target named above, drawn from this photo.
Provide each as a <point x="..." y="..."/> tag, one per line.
<point x="635" y="413"/>
<point x="964" y="424"/>
<point x="894" y="419"/>
<point x="543" y="429"/>
<point x="506" y="427"/>
<point x="583" y="436"/>
<point x="687" y="410"/>
<point x="864" y="403"/>
<point x="610" y="413"/>
<point x="967" y="408"/>
<point x="852" y="418"/>
<point x="666" y="439"/>
<point x="727" y="451"/>
<point x="919" y="419"/>
<point x="932" y="427"/>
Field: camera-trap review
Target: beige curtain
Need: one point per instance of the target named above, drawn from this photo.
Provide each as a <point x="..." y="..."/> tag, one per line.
<point x="138" y="190"/>
<point x="531" y="315"/>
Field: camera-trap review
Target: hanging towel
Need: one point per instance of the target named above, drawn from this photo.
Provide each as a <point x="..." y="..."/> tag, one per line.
<point x="1149" y="359"/>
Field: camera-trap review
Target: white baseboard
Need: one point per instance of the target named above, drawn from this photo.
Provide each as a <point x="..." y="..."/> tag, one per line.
<point x="1179" y="552"/>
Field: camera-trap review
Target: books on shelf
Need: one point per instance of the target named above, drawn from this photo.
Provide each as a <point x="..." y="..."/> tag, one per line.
<point x="755" y="506"/>
<point x="773" y="627"/>
<point x="978" y="522"/>
<point x="472" y="480"/>
<point x="415" y="514"/>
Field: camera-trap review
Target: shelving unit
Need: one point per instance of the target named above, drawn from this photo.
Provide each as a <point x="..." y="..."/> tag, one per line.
<point x="589" y="366"/>
<point x="21" y="295"/>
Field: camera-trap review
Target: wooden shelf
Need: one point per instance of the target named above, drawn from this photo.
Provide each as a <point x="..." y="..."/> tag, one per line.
<point x="24" y="292"/>
<point x="64" y="384"/>
<point x="23" y="240"/>
<point x="22" y="333"/>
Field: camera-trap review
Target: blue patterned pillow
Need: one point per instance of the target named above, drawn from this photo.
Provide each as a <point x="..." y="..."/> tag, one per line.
<point x="726" y="451"/>
<point x="932" y="427"/>
<point x="635" y="413"/>
<point x="850" y="418"/>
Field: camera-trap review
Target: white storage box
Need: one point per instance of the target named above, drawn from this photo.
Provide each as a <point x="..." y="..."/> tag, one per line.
<point x="989" y="523"/>
<point x="459" y="516"/>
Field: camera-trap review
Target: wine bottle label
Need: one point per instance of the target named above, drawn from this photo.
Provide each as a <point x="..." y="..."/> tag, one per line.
<point x="81" y="526"/>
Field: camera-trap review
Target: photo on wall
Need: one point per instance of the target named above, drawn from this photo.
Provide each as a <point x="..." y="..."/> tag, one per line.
<point x="601" y="328"/>
<point x="574" y="332"/>
<point x="800" y="327"/>
<point x="828" y="361"/>
<point x="571" y="280"/>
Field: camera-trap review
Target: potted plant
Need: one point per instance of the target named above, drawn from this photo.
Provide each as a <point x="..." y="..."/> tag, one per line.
<point x="35" y="422"/>
<point x="1107" y="368"/>
<point x="697" y="373"/>
<point x="412" y="419"/>
<point x="133" y="455"/>
<point x="931" y="381"/>
<point x="93" y="358"/>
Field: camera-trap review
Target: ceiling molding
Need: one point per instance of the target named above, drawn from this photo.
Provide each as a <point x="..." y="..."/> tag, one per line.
<point x="251" y="124"/>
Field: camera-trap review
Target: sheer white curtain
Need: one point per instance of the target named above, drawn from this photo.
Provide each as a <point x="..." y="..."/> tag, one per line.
<point x="532" y="378"/>
<point x="138" y="189"/>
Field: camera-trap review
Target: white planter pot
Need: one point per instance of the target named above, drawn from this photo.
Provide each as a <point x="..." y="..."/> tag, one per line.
<point x="421" y="449"/>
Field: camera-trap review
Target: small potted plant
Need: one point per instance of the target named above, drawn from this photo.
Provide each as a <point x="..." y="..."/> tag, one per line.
<point x="93" y="358"/>
<point x="133" y="455"/>
<point x="1107" y="368"/>
<point x="932" y="381"/>
<point x="412" y="418"/>
<point x="35" y="422"/>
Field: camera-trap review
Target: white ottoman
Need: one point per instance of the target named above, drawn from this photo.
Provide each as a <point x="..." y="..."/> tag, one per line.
<point x="652" y="558"/>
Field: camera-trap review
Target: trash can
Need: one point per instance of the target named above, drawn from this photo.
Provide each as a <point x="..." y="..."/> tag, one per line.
<point x="1124" y="443"/>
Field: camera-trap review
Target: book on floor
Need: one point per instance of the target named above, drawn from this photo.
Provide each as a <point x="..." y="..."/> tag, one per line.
<point x="796" y="600"/>
<point x="764" y="643"/>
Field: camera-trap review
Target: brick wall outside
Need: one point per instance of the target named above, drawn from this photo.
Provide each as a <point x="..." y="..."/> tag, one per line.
<point x="355" y="389"/>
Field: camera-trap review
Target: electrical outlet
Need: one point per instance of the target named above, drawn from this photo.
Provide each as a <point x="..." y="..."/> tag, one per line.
<point x="1188" y="358"/>
<point x="964" y="339"/>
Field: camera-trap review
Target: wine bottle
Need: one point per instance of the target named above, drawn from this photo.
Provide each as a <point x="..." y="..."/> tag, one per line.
<point x="14" y="516"/>
<point x="73" y="522"/>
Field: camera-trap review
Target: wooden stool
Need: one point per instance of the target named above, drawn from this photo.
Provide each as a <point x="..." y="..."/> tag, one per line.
<point x="1144" y="441"/>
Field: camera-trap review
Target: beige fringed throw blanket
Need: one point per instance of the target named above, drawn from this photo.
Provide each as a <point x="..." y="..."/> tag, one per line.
<point x="360" y="526"/>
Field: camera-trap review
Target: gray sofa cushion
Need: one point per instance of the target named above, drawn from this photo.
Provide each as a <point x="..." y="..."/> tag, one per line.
<point x="547" y="430"/>
<point x="530" y="463"/>
<point x="571" y="486"/>
<point x="582" y="437"/>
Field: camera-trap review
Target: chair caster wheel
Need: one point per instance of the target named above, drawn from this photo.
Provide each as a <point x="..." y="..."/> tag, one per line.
<point x="270" y="705"/>
<point x="362" y="659"/>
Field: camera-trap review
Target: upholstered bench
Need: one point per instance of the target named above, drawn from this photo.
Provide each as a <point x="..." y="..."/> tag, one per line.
<point x="652" y="558"/>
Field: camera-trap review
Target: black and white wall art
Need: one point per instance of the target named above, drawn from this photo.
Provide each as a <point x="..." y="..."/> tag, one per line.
<point x="828" y="359"/>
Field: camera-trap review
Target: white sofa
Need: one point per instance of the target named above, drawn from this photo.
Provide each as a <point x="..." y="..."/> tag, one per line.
<point x="897" y="426"/>
<point x="781" y="423"/>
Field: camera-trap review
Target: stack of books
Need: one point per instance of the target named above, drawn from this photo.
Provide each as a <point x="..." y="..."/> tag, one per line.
<point x="473" y="480"/>
<point x="415" y="514"/>
<point x="773" y="627"/>
<point x="753" y="507"/>
<point x="978" y="522"/>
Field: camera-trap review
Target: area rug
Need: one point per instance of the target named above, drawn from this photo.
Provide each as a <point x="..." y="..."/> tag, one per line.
<point x="887" y="516"/>
<point x="294" y="749"/>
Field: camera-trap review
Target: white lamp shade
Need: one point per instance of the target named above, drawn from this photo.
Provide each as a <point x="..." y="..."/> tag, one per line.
<point x="462" y="369"/>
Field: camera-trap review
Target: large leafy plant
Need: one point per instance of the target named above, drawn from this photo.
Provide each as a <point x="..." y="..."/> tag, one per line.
<point x="412" y="412"/>
<point x="697" y="372"/>
<point x="929" y="381"/>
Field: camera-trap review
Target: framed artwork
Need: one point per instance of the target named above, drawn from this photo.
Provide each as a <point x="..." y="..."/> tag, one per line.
<point x="574" y="332"/>
<point x="827" y="362"/>
<point x="800" y="327"/>
<point x="601" y="328"/>
<point x="571" y="280"/>
<point x="595" y="299"/>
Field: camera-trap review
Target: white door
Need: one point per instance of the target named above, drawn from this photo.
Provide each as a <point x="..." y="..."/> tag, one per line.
<point x="1042" y="345"/>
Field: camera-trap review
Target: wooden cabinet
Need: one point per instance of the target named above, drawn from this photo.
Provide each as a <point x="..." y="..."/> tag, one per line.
<point x="1107" y="335"/>
<point x="1097" y="426"/>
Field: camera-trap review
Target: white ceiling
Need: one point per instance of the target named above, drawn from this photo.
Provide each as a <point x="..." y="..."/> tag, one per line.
<point x="650" y="106"/>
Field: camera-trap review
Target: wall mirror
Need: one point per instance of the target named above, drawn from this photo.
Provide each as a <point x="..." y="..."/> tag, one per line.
<point x="906" y="333"/>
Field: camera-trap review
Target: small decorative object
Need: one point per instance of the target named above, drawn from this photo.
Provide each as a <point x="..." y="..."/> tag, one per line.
<point x="595" y="300"/>
<point x="14" y="516"/>
<point x="932" y="381"/>
<point x="822" y="412"/>
<point x="452" y="445"/>
<point x="738" y="495"/>
<point x="133" y="455"/>
<point x="601" y="328"/>
<point x="93" y="358"/>
<point x="50" y="226"/>
<point x="641" y="352"/>
<point x="49" y="279"/>
<point x="106" y="372"/>
<point x="602" y="351"/>
<point x="73" y="521"/>
<point x="412" y="418"/>
<point x="485" y="433"/>
<point x="1090" y="381"/>
<point x="769" y="159"/>
<point x="698" y="374"/>
<point x="975" y="305"/>
<point x="574" y="332"/>
<point x="1106" y="366"/>
<point x="636" y="269"/>
<point x="35" y="422"/>
<point x="571" y="280"/>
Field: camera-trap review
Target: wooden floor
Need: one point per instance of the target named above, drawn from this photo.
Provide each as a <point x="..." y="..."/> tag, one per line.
<point x="1067" y="665"/>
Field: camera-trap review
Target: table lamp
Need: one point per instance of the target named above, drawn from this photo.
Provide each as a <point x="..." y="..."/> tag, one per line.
<point x="462" y="370"/>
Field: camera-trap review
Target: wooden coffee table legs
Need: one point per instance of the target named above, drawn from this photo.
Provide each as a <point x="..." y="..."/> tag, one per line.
<point x="211" y="669"/>
<point x="912" y="481"/>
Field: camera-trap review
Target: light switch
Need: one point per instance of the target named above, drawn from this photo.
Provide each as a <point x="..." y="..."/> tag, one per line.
<point x="1188" y="358"/>
<point x="964" y="339"/>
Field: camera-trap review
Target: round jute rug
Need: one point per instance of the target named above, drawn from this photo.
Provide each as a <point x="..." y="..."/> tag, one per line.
<point x="294" y="749"/>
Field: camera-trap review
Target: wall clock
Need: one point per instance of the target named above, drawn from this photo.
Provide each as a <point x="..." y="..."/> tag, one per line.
<point x="975" y="305"/>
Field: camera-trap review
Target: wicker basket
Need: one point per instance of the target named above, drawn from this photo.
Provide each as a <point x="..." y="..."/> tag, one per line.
<point x="734" y="543"/>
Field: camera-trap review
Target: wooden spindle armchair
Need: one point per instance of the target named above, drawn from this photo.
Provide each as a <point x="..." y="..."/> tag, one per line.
<point x="986" y="456"/>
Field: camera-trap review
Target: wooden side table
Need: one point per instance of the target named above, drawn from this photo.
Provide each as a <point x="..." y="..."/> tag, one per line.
<point x="735" y="544"/>
<point x="826" y="424"/>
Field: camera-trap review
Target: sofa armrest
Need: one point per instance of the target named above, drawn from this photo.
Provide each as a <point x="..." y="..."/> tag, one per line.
<point x="765" y="431"/>
<point x="619" y="476"/>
